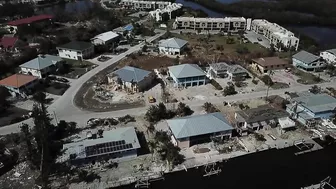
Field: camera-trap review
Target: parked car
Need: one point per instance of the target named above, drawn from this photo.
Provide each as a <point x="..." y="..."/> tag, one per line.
<point x="259" y="39"/>
<point x="151" y="99"/>
<point x="62" y="80"/>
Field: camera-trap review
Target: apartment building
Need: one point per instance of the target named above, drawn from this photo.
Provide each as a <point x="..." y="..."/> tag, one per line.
<point x="227" y="24"/>
<point x="275" y="33"/>
<point x="170" y="10"/>
<point x="152" y="5"/>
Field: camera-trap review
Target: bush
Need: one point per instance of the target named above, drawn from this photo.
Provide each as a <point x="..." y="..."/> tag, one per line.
<point x="267" y="80"/>
<point x="183" y="110"/>
<point x="230" y="40"/>
<point x="255" y="82"/>
<point x="209" y="108"/>
<point x="242" y="49"/>
<point x="216" y="84"/>
<point x="229" y="90"/>
<point x="259" y="137"/>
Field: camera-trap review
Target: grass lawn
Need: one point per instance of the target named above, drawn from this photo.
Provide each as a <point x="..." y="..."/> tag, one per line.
<point x="74" y="68"/>
<point x="306" y="77"/>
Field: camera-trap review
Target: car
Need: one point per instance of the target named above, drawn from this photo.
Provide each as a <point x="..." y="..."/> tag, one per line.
<point x="259" y="39"/>
<point x="62" y="80"/>
<point x="51" y="77"/>
<point x="151" y="99"/>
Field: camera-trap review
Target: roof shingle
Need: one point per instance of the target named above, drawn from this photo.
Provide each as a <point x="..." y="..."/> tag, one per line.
<point x="41" y="62"/>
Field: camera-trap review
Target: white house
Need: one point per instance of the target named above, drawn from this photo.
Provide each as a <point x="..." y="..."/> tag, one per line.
<point x="105" y="38"/>
<point x="187" y="75"/>
<point x="169" y="10"/>
<point x="42" y="66"/>
<point x="172" y="46"/>
<point x="131" y="78"/>
<point x="329" y="56"/>
<point x="19" y="84"/>
<point x="76" y="50"/>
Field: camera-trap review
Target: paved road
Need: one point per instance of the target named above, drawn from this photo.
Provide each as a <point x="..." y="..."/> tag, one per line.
<point x="71" y="113"/>
<point x="64" y="106"/>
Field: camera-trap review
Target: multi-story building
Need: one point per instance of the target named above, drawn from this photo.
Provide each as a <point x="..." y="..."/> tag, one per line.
<point x="170" y="10"/>
<point x="275" y="33"/>
<point x="149" y="5"/>
<point x="187" y="75"/>
<point x="227" y="24"/>
<point x="307" y="61"/>
<point x="76" y="50"/>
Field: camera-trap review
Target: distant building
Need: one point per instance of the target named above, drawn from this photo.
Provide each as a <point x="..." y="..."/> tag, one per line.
<point x="120" y="144"/>
<point x="227" y="24"/>
<point x="329" y="56"/>
<point x="19" y="84"/>
<point x="186" y="75"/>
<point x="258" y="118"/>
<point x="307" y="61"/>
<point x="13" y="26"/>
<point x="237" y="73"/>
<point x="309" y="107"/>
<point x="264" y="65"/>
<point x="134" y="79"/>
<point x="8" y="43"/>
<point x="76" y="50"/>
<point x="275" y="33"/>
<point x="172" y="46"/>
<point x="144" y="5"/>
<point x="105" y="38"/>
<point x="42" y="66"/>
<point x="169" y="10"/>
<point x="218" y="70"/>
<point x="192" y="130"/>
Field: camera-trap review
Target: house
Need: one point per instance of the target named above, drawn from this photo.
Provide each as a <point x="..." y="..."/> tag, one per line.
<point x="237" y="72"/>
<point x="266" y="64"/>
<point x="308" y="107"/>
<point x="19" y="84"/>
<point x="329" y="56"/>
<point x="105" y="38"/>
<point x="191" y="130"/>
<point x="131" y="78"/>
<point x="307" y="61"/>
<point x="275" y="34"/>
<point x="76" y="50"/>
<point x="218" y="70"/>
<point x="258" y="118"/>
<point x="144" y="5"/>
<point x="42" y="66"/>
<point x="227" y="24"/>
<point x="13" y="26"/>
<point x="172" y="46"/>
<point x="8" y="43"/>
<point x="186" y="75"/>
<point x="120" y="144"/>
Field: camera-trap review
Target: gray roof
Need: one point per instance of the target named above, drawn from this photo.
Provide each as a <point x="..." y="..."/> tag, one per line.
<point x="131" y="74"/>
<point x="332" y="51"/>
<point x="316" y="102"/>
<point x="261" y="113"/>
<point x="41" y="62"/>
<point x="198" y="125"/>
<point x="127" y="134"/>
<point x="186" y="70"/>
<point x="236" y="69"/>
<point x="173" y="43"/>
<point x="76" y="45"/>
<point x="220" y="66"/>
<point x="306" y="57"/>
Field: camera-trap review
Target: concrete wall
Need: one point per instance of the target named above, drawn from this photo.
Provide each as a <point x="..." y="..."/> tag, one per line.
<point x="327" y="56"/>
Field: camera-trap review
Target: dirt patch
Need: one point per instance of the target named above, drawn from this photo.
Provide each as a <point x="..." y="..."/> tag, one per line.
<point x="147" y="62"/>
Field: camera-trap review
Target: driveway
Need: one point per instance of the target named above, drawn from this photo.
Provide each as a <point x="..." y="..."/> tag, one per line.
<point x="253" y="38"/>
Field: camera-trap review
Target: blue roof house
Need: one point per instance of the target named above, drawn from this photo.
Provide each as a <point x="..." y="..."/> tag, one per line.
<point x="42" y="66"/>
<point x="307" y="61"/>
<point x="131" y="78"/>
<point x="186" y="75"/>
<point x="191" y="130"/>
<point x="308" y="107"/>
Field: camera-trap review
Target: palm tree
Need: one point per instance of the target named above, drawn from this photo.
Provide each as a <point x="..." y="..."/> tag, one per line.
<point x="269" y="83"/>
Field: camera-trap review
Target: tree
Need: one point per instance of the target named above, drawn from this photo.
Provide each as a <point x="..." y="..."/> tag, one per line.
<point x="209" y="108"/>
<point x="315" y="89"/>
<point x="144" y="48"/>
<point x="157" y="112"/>
<point x="268" y="81"/>
<point x="183" y="110"/>
<point x="4" y="103"/>
<point x="229" y="90"/>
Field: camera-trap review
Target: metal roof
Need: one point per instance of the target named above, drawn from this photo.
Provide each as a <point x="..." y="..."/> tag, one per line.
<point x="131" y="74"/>
<point x="17" y="80"/>
<point x="186" y="70"/>
<point x="317" y="102"/>
<point x="332" y="51"/>
<point x="30" y="20"/>
<point x="41" y="62"/>
<point x="173" y="43"/>
<point x="106" y="36"/>
<point x="236" y="69"/>
<point x="220" y="66"/>
<point x="306" y="57"/>
<point x="127" y="134"/>
<point x="76" y="45"/>
<point x="198" y="125"/>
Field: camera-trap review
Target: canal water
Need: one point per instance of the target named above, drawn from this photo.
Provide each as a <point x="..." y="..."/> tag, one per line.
<point x="272" y="169"/>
